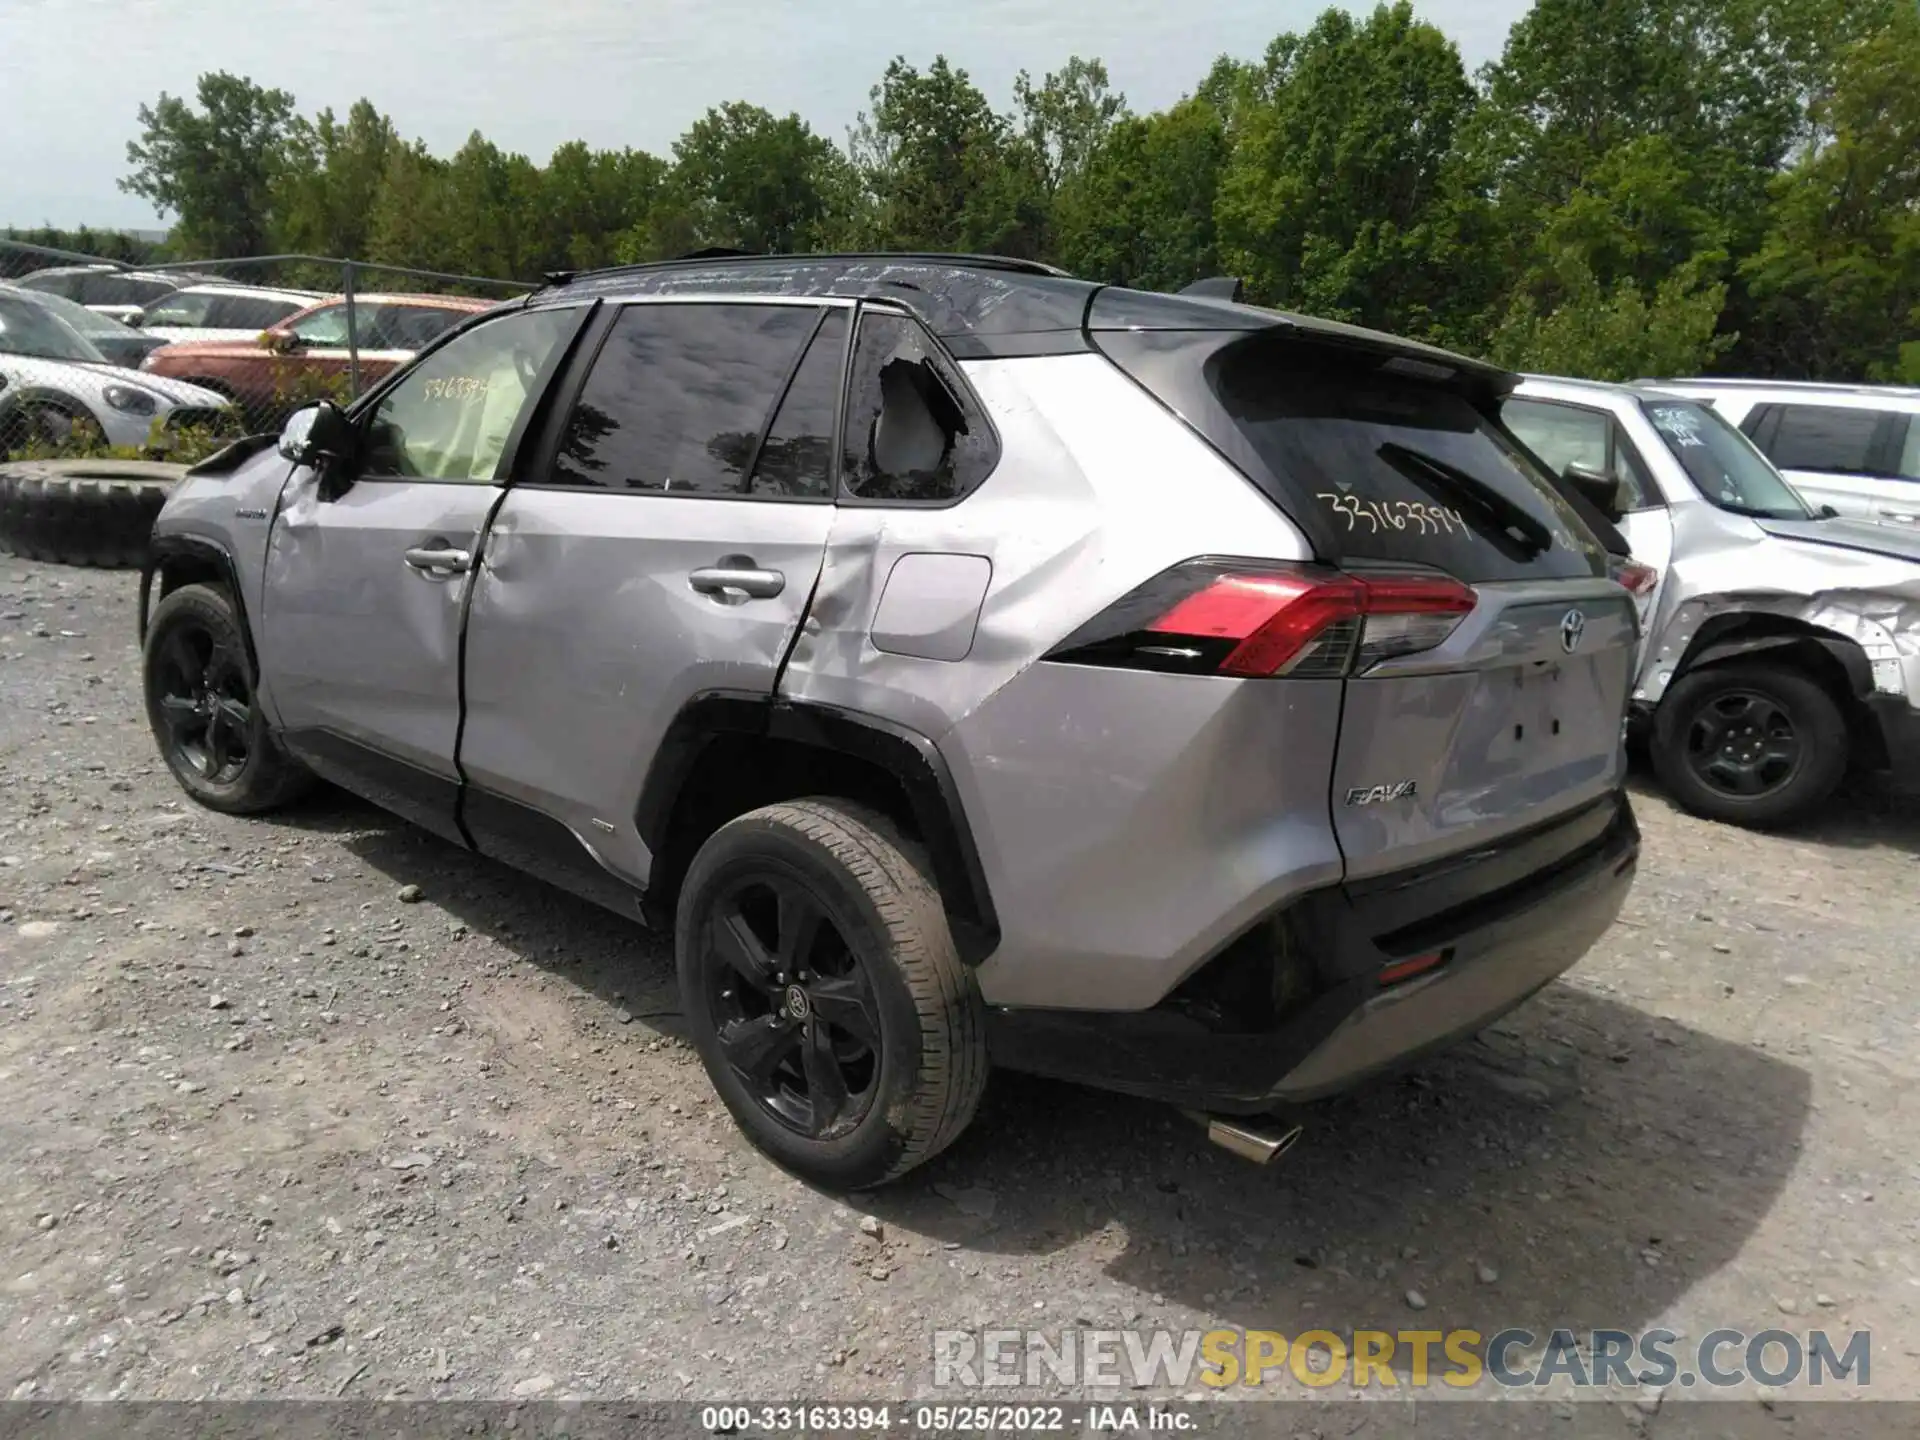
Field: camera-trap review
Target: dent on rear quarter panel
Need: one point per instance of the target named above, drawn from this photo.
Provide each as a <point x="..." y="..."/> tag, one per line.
<point x="1131" y="824"/>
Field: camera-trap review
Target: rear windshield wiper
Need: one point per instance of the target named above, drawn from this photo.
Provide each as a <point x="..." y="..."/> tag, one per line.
<point x="1514" y="532"/>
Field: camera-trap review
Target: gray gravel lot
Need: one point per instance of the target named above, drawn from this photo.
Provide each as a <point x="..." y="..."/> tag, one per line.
<point x="277" y="1123"/>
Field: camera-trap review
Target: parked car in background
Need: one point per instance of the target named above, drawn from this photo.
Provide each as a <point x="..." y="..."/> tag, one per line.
<point x="121" y="294"/>
<point x="53" y="379"/>
<point x="963" y="661"/>
<point x="1782" y="646"/>
<point x="1854" y="447"/>
<point x="306" y="357"/>
<point x="121" y="344"/>
<point x="222" y="312"/>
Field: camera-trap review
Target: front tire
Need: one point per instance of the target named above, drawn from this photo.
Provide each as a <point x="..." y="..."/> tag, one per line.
<point x="822" y="989"/>
<point x="201" y="706"/>
<point x="1756" y="745"/>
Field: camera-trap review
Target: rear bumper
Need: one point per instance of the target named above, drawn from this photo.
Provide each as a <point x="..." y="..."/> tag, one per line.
<point x="1507" y="920"/>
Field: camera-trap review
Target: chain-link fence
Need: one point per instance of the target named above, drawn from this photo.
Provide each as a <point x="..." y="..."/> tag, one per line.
<point x="99" y="357"/>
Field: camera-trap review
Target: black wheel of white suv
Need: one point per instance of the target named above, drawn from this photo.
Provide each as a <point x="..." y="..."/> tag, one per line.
<point x="822" y="989"/>
<point x="200" y="704"/>
<point x="1754" y="744"/>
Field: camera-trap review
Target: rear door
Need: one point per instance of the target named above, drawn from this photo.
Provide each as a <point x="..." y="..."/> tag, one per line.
<point x="1400" y="467"/>
<point x="1846" y="456"/>
<point x="665" y="548"/>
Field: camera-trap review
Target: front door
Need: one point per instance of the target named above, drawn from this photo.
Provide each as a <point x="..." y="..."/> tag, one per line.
<point x="663" y="544"/>
<point x="368" y="568"/>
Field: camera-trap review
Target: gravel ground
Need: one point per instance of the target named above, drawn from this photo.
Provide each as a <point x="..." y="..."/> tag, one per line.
<point x="320" y="1106"/>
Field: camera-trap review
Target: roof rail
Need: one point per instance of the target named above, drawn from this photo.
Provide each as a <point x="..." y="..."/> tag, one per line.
<point x="721" y="256"/>
<point x="1750" y="382"/>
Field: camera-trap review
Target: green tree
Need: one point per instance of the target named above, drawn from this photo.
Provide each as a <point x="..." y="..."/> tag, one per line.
<point x="1340" y="196"/>
<point x="1618" y="332"/>
<point x="1836" y="281"/>
<point x="412" y="223"/>
<point x="215" y="168"/>
<point x="327" y="191"/>
<point x="1140" y="211"/>
<point x="943" y="170"/>
<point x="751" y="181"/>
<point x="590" y="199"/>
<point x="1066" y="116"/>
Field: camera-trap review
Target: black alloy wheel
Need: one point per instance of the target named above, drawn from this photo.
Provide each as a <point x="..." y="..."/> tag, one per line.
<point x="793" y="1008"/>
<point x="203" y="709"/>
<point x="823" y="992"/>
<point x="205" y="703"/>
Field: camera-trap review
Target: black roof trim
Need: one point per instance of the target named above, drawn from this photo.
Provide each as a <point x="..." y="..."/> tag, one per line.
<point x="974" y="303"/>
<point x="990" y="306"/>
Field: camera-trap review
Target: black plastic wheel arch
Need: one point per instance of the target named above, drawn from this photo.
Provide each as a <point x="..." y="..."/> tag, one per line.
<point x="909" y="758"/>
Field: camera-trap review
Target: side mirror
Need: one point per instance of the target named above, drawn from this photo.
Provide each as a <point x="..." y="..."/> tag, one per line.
<point x="1602" y="490"/>
<point x="135" y="320"/>
<point x="279" y="342"/>
<point x="1827" y="512"/>
<point x="317" y="433"/>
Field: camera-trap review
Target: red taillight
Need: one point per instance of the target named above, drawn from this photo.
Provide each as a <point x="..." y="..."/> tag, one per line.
<point x="1639" y="579"/>
<point x="1234" y="617"/>
<point x="1278" y="622"/>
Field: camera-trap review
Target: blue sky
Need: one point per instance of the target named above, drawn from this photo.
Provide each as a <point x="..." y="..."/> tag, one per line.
<point x="534" y="73"/>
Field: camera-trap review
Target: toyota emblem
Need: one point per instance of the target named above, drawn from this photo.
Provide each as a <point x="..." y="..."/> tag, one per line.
<point x="1572" y="626"/>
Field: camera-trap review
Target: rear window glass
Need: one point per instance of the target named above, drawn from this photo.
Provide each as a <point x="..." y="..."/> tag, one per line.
<point x="1407" y="470"/>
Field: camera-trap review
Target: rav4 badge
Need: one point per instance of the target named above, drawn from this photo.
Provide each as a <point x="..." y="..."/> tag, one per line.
<point x="1377" y="794"/>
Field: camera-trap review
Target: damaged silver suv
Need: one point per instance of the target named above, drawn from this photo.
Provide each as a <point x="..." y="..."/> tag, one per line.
<point x="970" y="664"/>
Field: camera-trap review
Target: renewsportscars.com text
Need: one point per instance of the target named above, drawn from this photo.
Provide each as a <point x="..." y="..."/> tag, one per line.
<point x="1512" y="1358"/>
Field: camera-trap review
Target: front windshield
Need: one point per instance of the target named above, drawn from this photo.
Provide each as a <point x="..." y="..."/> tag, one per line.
<point x="28" y="328"/>
<point x="1722" y="463"/>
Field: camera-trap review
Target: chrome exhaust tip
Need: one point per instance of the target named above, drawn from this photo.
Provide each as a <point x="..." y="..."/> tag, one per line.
<point x="1250" y="1139"/>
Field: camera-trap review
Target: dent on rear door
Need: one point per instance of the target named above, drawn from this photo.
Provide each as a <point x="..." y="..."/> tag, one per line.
<point x="586" y="638"/>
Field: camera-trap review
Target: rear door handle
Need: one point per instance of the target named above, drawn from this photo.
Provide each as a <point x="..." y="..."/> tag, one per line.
<point x="726" y="581"/>
<point x="431" y="560"/>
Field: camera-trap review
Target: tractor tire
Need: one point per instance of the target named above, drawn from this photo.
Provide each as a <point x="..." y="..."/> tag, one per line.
<point x="83" y="512"/>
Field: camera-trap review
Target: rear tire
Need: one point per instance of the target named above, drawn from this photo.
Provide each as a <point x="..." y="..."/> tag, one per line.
<point x="201" y="705"/>
<point x="1757" y="745"/>
<point x="822" y="989"/>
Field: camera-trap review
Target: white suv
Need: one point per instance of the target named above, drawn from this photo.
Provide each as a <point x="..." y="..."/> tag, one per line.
<point x="1853" y="447"/>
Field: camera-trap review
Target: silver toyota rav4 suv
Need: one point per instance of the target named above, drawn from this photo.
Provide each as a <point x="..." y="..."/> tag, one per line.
<point x="970" y="665"/>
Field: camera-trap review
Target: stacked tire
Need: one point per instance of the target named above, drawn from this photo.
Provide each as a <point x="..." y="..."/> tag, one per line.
<point x="83" y="512"/>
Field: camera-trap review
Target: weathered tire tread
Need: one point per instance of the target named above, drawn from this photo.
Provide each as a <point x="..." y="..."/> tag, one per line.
<point x="78" y="519"/>
<point x="953" y="1048"/>
<point x="273" y="779"/>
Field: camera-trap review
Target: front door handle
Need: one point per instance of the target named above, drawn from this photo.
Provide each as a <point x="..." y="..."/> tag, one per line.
<point x="737" y="582"/>
<point x="435" y="561"/>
